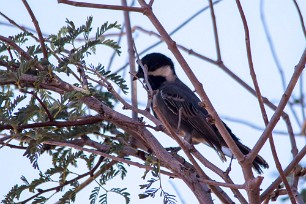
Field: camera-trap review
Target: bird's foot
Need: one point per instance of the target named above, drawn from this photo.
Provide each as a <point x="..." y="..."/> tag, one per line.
<point x="229" y="168"/>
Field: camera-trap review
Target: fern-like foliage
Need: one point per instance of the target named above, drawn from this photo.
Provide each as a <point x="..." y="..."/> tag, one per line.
<point x="32" y="104"/>
<point x="94" y="195"/>
<point x="112" y="76"/>
<point x="151" y="191"/>
<point x="102" y="199"/>
<point x="99" y="194"/>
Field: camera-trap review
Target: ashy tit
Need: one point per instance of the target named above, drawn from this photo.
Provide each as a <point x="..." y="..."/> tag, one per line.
<point x="180" y="107"/>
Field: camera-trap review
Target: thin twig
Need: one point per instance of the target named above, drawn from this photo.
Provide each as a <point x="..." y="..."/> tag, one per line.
<point x="126" y="105"/>
<point x="35" y="22"/>
<point x="228" y="185"/>
<point x="84" y="80"/>
<point x="287" y="171"/>
<point x="171" y="33"/>
<point x="254" y="126"/>
<point x="130" y="43"/>
<point x="275" y="57"/>
<point x="95" y="175"/>
<point x="213" y="17"/>
<point x="271" y="45"/>
<point x="5" y="144"/>
<point x="218" y="171"/>
<point x="283" y="102"/>
<point x="102" y="6"/>
<point x="302" y="98"/>
<point x="23" y="28"/>
<point x="106" y="156"/>
<point x="178" y="45"/>
<point x="251" y="194"/>
<point x="66" y="182"/>
<point x="300" y="16"/>
<point x="41" y="103"/>
<point x="88" y="120"/>
<point x="111" y="60"/>
<point x="147" y="85"/>
<point x="151" y="3"/>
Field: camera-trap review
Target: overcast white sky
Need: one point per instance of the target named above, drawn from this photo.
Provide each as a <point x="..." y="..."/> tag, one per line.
<point x="228" y="97"/>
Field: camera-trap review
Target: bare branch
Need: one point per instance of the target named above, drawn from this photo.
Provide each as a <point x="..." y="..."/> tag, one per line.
<point x="125" y="104"/>
<point x="287" y="171"/>
<point x="300" y="16"/>
<point x="170" y="33"/>
<point x="213" y="17"/>
<point x="285" y="98"/>
<point x="23" y="28"/>
<point x="102" y="6"/>
<point x="275" y="57"/>
<point x="35" y="22"/>
<point x="252" y="197"/>
<point x="256" y="127"/>
<point x="95" y="175"/>
<point x="131" y="52"/>
<point x="218" y="171"/>
<point x="41" y="103"/>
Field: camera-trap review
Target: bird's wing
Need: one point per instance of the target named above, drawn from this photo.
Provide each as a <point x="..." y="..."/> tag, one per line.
<point x="186" y="102"/>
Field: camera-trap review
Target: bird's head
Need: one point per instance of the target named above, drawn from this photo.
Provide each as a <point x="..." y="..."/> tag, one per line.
<point x="160" y="69"/>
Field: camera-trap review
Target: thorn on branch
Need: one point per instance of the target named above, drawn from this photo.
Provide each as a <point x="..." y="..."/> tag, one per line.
<point x="101" y="110"/>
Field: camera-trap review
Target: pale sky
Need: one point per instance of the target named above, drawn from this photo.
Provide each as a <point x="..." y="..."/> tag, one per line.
<point x="227" y="96"/>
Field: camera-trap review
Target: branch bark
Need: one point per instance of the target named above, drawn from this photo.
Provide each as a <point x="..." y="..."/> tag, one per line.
<point x="101" y="6"/>
<point x="283" y="102"/>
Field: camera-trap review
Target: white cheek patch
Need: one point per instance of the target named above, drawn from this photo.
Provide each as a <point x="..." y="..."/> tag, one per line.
<point x="165" y="71"/>
<point x="162" y="71"/>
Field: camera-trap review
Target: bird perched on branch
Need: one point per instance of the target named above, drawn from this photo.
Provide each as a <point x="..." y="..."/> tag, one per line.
<point x="180" y="107"/>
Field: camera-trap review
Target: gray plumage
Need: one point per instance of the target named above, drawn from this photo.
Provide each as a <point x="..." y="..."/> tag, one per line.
<point x="175" y="100"/>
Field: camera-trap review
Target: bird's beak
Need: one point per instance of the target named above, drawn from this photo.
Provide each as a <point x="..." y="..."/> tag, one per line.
<point x="138" y="75"/>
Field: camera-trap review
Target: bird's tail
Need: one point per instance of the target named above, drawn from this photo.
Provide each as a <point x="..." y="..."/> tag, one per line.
<point x="258" y="162"/>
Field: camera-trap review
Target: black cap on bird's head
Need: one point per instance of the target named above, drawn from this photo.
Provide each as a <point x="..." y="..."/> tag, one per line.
<point x="154" y="61"/>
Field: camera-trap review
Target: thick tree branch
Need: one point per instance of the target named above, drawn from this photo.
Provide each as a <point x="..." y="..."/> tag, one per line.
<point x="218" y="171"/>
<point x="88" y="120"/>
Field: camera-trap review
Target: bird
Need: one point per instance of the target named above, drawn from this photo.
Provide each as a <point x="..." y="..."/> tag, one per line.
<point x="179" y="105"/>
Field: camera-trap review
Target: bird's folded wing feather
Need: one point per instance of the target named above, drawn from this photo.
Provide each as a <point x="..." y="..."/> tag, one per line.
<point x="192" y="114"/>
